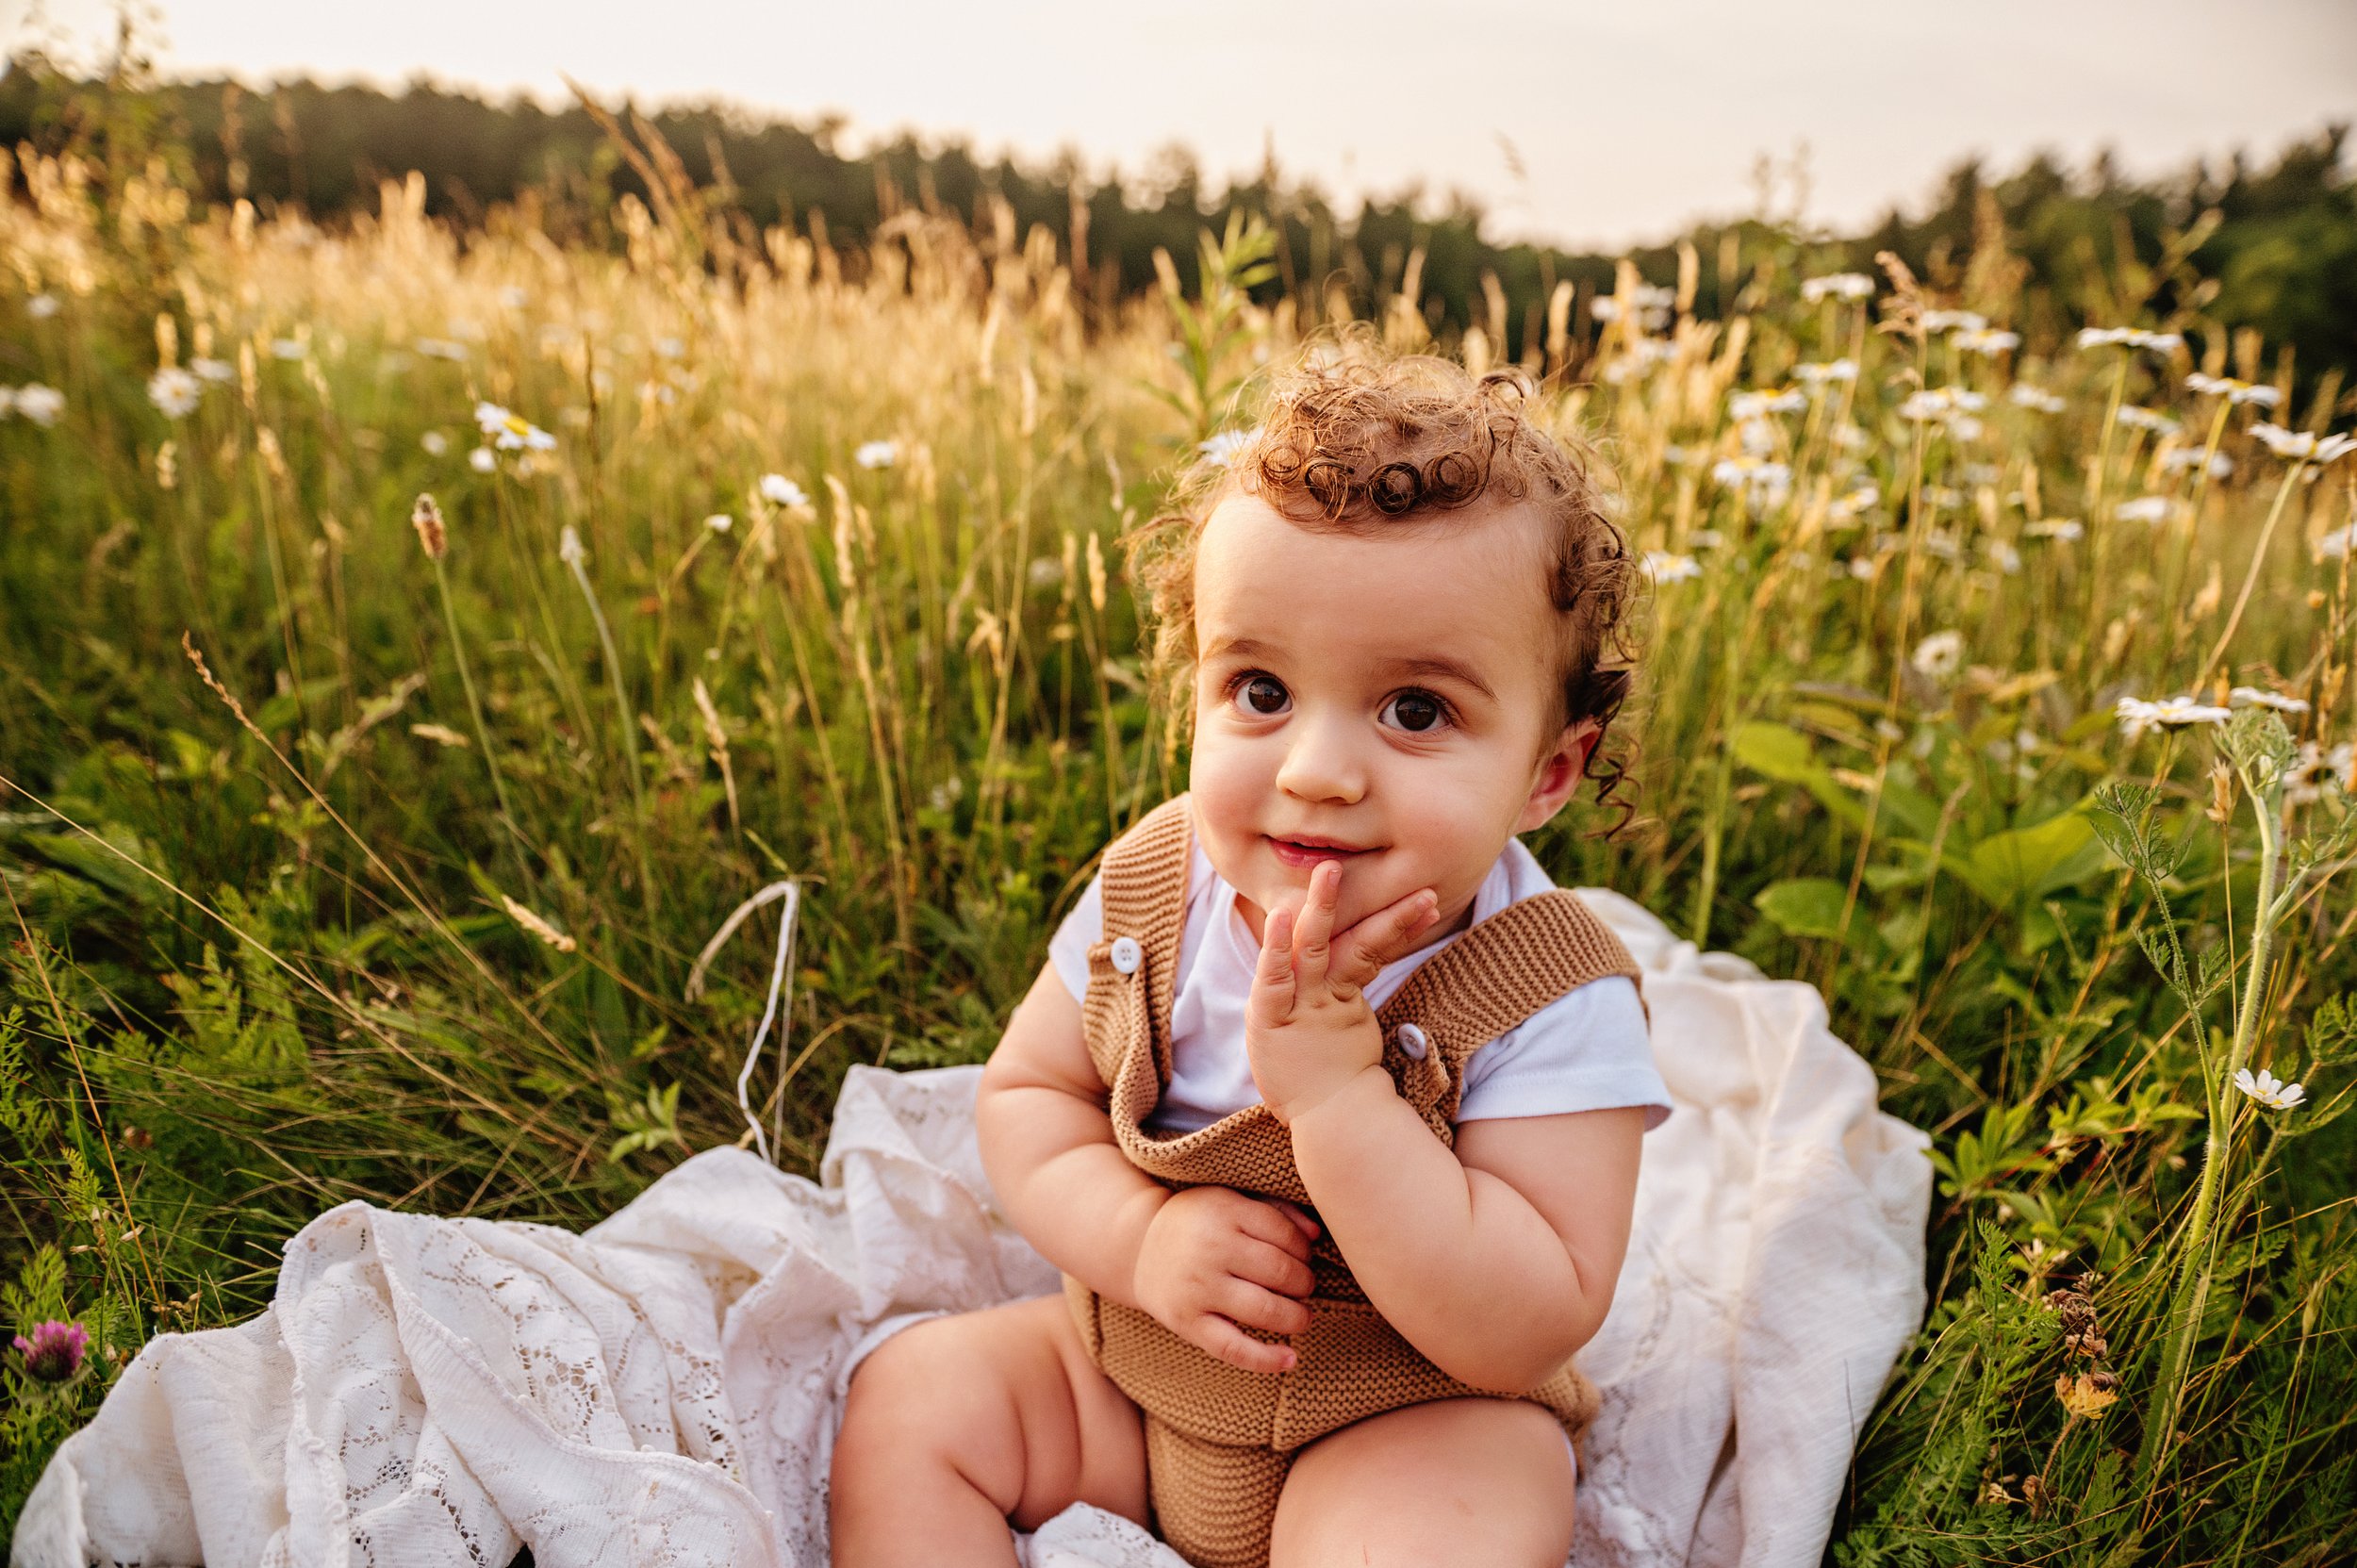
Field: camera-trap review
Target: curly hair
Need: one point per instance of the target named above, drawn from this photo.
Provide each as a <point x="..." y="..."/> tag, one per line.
<point x="1352" y="439"/>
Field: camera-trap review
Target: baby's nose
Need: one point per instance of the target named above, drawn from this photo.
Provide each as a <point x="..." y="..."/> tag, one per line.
<point x="1321" y="767"/>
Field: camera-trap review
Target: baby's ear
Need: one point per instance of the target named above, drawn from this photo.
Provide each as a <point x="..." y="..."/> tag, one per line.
<point x="1559" y="770"/>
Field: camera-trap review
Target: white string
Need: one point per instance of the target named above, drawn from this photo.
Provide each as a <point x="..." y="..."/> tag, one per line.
<point x="781" y="985"/>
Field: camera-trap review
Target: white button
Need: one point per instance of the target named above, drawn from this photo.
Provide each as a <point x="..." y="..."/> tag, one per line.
<point x="1127" y="955"/>
<point x="1412" y="1040"/>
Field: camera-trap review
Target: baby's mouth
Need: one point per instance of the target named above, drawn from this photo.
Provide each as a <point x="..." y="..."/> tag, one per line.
<point x="1306" y="853"/>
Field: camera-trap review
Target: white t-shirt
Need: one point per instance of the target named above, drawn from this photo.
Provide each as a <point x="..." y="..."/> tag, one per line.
<point x="1586" y="1050"/>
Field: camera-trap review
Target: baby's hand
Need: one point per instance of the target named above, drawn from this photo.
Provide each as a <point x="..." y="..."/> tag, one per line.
<point x="1308" y="1027"/>
<point x="1213" y="1258"/>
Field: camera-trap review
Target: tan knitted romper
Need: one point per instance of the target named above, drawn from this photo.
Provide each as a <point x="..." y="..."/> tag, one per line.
<point x="1218" y="1439"/>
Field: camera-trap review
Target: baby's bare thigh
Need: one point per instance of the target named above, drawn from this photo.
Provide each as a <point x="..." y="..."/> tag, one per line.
<point x="1007" y="1400"/>
<point x="1454" y="1481"/>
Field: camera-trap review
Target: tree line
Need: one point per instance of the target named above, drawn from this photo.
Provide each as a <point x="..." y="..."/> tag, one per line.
<point x="2270" y="246"/>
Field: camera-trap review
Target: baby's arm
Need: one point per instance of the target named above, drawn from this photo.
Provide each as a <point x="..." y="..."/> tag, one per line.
<point x="1497" y="1260"/>
<point x="1203" y="1261"/>
<point x="1048" y="1147"/>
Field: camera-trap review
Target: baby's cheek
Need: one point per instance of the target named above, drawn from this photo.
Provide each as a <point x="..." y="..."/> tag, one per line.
<point x="1227" y="798"/>
<point x="1218" y="793"/>
<point x="1453" y="844"/>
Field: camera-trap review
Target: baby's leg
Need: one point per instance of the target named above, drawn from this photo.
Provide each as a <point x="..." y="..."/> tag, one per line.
<point x="1454" y="1481"/>
<point x="959" y="1425"/>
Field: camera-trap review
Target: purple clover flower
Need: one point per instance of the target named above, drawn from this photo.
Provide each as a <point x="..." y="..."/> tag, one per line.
<point x="54" y="1354"/>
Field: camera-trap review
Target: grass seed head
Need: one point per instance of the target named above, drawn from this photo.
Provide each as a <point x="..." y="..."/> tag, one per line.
<point x="426" y="518"/>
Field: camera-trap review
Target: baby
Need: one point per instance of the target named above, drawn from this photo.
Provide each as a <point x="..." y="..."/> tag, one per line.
<point x="1327" y="1104"/>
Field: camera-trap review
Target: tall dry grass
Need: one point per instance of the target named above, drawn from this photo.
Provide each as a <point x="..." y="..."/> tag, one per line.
<point x="386" y="883"/>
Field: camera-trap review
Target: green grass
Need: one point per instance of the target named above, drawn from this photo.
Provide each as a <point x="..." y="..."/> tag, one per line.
<point x="261" y="953"/>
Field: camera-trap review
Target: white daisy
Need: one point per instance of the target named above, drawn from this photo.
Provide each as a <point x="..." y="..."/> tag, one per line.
<point x="2130" y="336"/>
<point x="2137" y="716"/>
<point x="176" y="391"/>
<point x="511" y="431"/>
<point x="1989" y="343"/>
<point x="41" y="404"/>
<point x="2234" y="392"/>
<point x="2303" y="446"/>
<point x="2023" y="395"/>
<point x="1846" y="508"/>
<point x="876" y="455"/>
<point x="2253" y="697"/>
<point x="1840" y="285"/>
<point x="2219" y="465"/>
<point x="2147" y="418"/>
<point x="1936" y="402"/>
<point x="1640" y="355"/>
<point x="1752" y="404"/>
<point x="778" y="490"/>
<point x="2269" y="1090"/>
<point x="1938" y="654"/>
<point x="1663" y="567"/>
<point x="1764" y="485"/>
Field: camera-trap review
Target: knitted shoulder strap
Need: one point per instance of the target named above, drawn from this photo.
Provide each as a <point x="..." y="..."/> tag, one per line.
<point x="1144" y="881"/>
<point x="1492" y="978"/>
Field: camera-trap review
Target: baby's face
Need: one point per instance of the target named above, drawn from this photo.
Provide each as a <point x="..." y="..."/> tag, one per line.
<point x="1383" y="699"/>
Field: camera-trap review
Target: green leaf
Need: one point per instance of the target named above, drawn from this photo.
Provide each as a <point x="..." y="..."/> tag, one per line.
<point x="1812" y="906"/>
<point x="1784" y="754"/>
<point x="2012" y="868"/>
<point x="1778" y="751"/>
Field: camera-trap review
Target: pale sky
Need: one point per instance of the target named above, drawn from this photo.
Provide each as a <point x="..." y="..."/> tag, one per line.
<point x="1627" y="119"/>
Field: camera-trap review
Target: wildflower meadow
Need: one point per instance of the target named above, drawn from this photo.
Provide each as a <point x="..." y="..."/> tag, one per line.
<point x="414" y="645"/>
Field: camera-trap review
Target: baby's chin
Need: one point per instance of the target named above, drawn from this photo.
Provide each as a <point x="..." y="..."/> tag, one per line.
<point x="1368" y="887"/>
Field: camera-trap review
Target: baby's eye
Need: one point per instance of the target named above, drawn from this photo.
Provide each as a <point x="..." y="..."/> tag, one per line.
<point x="1262" y="696"/>
<point x="1417" y="712"/>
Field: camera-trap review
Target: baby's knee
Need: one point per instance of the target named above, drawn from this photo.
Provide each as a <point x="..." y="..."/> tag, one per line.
<point x="930" y="1384"/>
<point x="1461" y="1480"/>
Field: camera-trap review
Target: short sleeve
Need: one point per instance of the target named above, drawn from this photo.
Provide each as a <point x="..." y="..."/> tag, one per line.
<point x="1068" y="950"/>
<point x="1590" y="1049"/>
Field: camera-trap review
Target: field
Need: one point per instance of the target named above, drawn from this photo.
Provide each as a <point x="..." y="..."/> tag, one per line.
<point x="358" y="848"/>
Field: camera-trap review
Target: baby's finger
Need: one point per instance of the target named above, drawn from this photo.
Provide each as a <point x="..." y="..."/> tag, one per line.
<point x="1251" y="1305"/>
<point x="1261" y="1221"/>
<point x="1270" y="1266"/>
<point x="1300" y="1217"/>
<point x="1273" y="976"/>
<point x="1314" y="944"/>
<point x="1231" y="1344"/>
<point x="1362" y="950"/>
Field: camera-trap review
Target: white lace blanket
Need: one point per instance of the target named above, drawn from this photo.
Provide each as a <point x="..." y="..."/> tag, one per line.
<point x="664" y="1388"/>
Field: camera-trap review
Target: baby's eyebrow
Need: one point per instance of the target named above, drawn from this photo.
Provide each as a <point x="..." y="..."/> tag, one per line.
<point x="1239" y="648"/>
<point x="1446" y="669"/>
